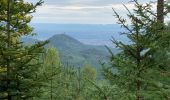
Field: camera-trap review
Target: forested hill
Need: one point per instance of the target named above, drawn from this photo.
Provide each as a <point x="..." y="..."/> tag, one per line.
<point x="75" y="53"/>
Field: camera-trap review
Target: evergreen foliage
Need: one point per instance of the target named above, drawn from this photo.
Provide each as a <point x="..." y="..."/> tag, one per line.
<point x="137" y="66"/>
<point x="140" y="71"/>
<point x="19" y="63"/>
<point x="50" y="73"/>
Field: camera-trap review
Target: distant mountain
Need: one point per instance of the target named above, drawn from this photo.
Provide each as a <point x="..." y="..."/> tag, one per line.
<point x="65" y="42"/>
<point x="75" y="53"/>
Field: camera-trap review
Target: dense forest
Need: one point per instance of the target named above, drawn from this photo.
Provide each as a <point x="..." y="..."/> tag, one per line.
<point x="140" y="70"/>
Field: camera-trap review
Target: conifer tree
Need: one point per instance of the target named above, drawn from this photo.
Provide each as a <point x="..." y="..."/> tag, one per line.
<point x="136" y="63"/>
<point x="18" y="61"/>
<point x="163" y="47"/>
<point x="88" y="74"/>
<point x="51" y="73"/>
<point x="81" y="84"/>
<point x="66" y="84"/>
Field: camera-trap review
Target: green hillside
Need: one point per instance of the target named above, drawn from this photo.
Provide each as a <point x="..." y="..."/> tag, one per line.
<point x="75" y="53"/>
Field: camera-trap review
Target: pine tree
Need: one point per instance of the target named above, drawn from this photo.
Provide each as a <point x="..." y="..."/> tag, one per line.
<point x="18" y="61"/>
<point x="136" y="63"/>
<point x="88" y="74"/>
<point x="81" y="84"/>
<point x="51" y="72"/>
<point x="66" y="84"/>
<point x="163" y="50"/>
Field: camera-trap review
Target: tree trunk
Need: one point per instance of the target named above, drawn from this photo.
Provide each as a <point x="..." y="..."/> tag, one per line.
<point x="138" y="97"/>
<point x="79" y="84"/>
<point x="51" y="93"/>
<point x="8" y="46"/>
<point x="160" y="11"/>
<point x="52" y="74"/>
<point x="138" y="61"/>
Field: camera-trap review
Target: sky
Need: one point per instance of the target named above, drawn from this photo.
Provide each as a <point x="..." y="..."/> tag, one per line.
<point x="80" y="11"/>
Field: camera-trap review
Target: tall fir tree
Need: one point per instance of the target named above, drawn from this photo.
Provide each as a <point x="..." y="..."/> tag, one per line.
<point x="136" y="63"/>
<point x="51" y="73"/>
<point x="18" y="61"/>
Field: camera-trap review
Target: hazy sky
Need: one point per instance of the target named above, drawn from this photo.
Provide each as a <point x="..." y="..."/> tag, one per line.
<point x="80" y="11"/>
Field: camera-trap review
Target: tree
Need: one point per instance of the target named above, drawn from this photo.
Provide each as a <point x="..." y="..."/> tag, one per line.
<point x="51" y="72"/>
<point x="19" y="75"/>
<point x="82" y="86"/>
<point x="66" y="84"/>
<point x="136" y="63"/>
<point x="89" y="72"/>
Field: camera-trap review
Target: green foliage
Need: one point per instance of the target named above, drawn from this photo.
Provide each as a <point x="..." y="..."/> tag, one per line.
<point x="19" y="63"/>
<point x="137" y="66"/>
<point x="51" y="62"/>
<point x="69" y="83"/>
<point x="74" y="53"/>
<point x="89" y="72"/>
<point x="142" y="67"/>
<point x="49" y="73"/>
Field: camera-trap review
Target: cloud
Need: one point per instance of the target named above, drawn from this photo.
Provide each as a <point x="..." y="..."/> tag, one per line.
<point x="73" y="14"/>
<point x="72" y="7"/>
<point x="80" y="11"/>
<point x="78" y="14"/>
